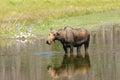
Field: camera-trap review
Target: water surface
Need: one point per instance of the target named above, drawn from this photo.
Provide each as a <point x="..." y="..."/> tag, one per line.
<point x="35" y="60"/>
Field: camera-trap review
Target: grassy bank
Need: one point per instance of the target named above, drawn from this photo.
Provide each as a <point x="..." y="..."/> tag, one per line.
<point x="39" y="15"/>
<point x="90" y="21"/>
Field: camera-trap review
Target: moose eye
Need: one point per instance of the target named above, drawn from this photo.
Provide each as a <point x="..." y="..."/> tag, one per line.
<point x="54" y="34"/>
<point x="58" y="34"/>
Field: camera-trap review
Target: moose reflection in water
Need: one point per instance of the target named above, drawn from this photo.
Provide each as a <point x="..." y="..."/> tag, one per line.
<point x="70" y="38"/>
<point x="71" y="66"/>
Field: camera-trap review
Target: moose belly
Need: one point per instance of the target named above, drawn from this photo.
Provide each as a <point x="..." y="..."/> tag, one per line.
<point x="78" y="43"/>
<point x="75" y="44"/>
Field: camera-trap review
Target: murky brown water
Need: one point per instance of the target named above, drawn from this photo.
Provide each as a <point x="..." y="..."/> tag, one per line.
<point x="34" y="60"/>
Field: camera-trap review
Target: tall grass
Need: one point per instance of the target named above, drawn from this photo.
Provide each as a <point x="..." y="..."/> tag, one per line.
<point x="45" y="9"/>
<point x="19" y="11"/>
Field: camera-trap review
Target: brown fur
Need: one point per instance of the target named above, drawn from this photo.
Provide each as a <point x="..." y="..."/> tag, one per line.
<point x="70" y="38"/>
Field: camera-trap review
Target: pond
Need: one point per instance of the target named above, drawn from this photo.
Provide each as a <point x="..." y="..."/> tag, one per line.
<point x="35" y="60"/>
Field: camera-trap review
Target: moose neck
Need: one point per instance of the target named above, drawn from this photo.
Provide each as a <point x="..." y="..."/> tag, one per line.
<point x="61" y="40"/>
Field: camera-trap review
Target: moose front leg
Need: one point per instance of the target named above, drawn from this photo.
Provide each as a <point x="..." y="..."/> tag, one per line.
<point x="65" y="49"/>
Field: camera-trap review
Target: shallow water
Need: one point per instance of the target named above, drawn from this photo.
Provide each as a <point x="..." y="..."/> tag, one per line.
<point x="35" y="60"/>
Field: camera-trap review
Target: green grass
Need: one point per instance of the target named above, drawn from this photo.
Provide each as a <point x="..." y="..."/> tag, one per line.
<point x="46" y="13"/>
<point x="91" y="22"/>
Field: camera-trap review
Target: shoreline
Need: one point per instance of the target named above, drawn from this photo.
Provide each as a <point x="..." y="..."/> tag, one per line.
<point x="96" y="27"/>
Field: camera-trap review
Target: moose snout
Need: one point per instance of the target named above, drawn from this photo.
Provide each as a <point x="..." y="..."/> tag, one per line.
<point x="47" y="42"/>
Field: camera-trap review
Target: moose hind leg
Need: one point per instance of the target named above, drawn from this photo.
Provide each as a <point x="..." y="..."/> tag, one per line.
<point x="86" y="45"/>
<point x="86" y="48"/>
<point x="71" y="49"/>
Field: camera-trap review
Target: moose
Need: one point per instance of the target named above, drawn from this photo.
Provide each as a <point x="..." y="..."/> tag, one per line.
<point x="70" y="38"/>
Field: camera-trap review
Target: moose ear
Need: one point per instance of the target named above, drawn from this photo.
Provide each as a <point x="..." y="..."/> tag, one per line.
<point x="51" y="28"/>
<point x="58" y="33"/>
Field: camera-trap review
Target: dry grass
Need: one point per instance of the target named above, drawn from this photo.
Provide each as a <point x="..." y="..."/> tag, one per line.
<point x="14" y="12"/>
